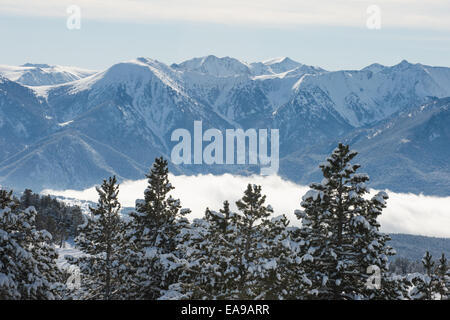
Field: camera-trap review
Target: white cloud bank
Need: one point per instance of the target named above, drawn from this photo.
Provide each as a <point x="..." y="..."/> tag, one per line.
<point x="401" y="13"/>
<point x="405" y="213"/>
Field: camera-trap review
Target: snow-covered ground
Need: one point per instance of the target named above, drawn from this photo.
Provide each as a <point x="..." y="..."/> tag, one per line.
<point x="67" y="250"/>
<point x="405" y="213"/>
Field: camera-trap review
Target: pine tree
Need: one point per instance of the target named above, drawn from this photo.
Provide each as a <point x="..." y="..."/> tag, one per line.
<point x="342" y="234"/>
<point x="59" y="219"/>
<point x="28" y="267"/>
<point x="426" y="285"/>
<point x="209" y="251"/>
<point x="102" y="241"/>
<point x="286" y="278"/>
<point x="155" y="235"/>
<point x="244" y="255"/>
<point x="249" y="252"/>
<point x="372" y="252"/>
<point x="264" y="255"/>
<point x="443" y="275"/>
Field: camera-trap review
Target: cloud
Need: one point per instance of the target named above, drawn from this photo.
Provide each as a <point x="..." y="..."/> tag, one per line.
<point x="400" y="13"/>
<point x="405" y="213"/>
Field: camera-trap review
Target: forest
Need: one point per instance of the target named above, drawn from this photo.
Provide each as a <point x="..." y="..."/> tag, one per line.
<point x="337" y="253"/>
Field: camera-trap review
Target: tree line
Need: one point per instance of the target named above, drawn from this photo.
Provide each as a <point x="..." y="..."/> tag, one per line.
<point x="338" y="252"/>
<point x="59" y="219"/>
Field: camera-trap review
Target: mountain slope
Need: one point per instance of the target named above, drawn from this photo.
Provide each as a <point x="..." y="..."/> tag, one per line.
<point x="67" y="160"/>
<point x="414" y="247"/>
<point x="22" y="118"/>
<point x="365" y="96"/>
<point x="117" y="121"/>
<point x="408" y="152"/>
<point x="43" y="74"/>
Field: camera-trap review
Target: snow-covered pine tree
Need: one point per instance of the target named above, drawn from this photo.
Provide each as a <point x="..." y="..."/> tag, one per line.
<point x="243" y="255"/>
<point x="425" y="285"/>
<point x="371" y="252"/>
<point x="443" y="274"/>
<point x="285" y="279"/>
<point x="341" y="232"/>
<point x="249" y="248"/>
<point x="102" y="240"/>
<point x="28" y="267"/>
<point x="155" y="235"/>
<point x="209" y="251"/>
<point x="263" y="252"/>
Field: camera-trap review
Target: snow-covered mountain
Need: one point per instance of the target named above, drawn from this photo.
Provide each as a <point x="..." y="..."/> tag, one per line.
<point x="43" y="74"/>
<point x="410" y="149"/>
<point x="22" y="118"/>
<point x="116" y="121"/>
<point x="231" y="67"/>
<point x="214" y="66"/>
<point x="282" y="65"/>
<point x="364" y="96"/>
<point x="407" y="152"/>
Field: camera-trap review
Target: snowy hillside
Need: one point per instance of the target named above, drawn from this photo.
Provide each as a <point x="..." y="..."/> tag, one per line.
<point x="407" y="152"/>
<point x="43" y="74"/>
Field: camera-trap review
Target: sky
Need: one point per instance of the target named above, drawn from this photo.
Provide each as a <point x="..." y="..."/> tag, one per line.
<point x="332" y="34"/>
<point x="405" y="213"/>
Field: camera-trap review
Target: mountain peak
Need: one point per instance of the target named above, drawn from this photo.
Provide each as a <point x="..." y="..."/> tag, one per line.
<point x="403" y="64"/>
<point x="212" y="57"/>
<point x="40" y="74"/>
<point x="374" y="67"/>
<point x="145" y="60"/>
<point x="281" y="64"/>
<point x="215" y="66"/>
<point x="279" y="60"/>
<point x="36" y="65"/>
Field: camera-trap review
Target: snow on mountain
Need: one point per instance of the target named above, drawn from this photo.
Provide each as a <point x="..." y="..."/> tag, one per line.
<point x="406" y="152"/>
<point x="43" y="74"/>
<point x="113" y="122"/>
<point x="238" y="91"/>
<point x="366" y="96"/>
<point x="212" y="65"/>
<point x="231" y="67"/>
<point x="280" y="65"/>
<point x="22" y="118"/>
<point x="409" y="151"/>
<point x="128" y="112"/>
<point x="374" y="67"/>
<point x="146" y="94"/>
<point x="67" y="159"/>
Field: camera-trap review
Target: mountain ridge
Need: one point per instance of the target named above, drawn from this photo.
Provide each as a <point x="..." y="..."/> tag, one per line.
<point x="133" y="106"/>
